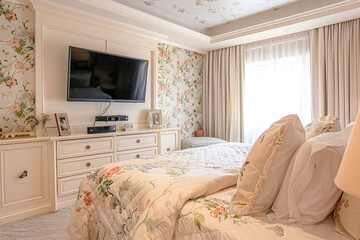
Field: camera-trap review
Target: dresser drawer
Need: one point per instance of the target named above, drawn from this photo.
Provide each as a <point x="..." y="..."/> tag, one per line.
<point x="82" y="147"/>
<point x="79" y="165"/>
<point x="136" y="141"/>
<point x="134" y="154"/>
<point x="69" y="185"/>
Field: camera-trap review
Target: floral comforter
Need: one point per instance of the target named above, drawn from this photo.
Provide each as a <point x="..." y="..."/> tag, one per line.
<point x="209" y="218"/>
<point x="143" y="198"/>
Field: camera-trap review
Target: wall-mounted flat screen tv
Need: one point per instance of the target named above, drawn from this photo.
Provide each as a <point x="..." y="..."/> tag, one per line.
<point x="103" y="77"/>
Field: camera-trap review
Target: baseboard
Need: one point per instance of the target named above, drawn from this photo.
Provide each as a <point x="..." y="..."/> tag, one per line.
<point x="26" y="213"/>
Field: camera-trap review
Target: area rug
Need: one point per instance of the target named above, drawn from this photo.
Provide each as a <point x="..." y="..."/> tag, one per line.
<point x="45" y="227"/>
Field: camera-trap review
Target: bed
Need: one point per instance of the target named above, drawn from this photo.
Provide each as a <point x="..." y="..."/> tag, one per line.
<point x="189" y="194"/>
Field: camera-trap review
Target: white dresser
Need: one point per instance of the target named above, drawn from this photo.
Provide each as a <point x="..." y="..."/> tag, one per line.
<point x="41" y="175"/>
<point x="78" y="154"/>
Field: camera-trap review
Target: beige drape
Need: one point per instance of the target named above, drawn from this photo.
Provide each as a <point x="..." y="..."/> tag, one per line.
<point x="223" y="88"/>
<point x="335" y="57"/>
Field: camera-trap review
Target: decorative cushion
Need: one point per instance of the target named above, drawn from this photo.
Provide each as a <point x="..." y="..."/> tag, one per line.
<point x="329" y="123"/>
<point x="308" y="193"/>
<point x="262" y="174"/>
<point x="347" y="216"/>
<point x="192" y="142"/>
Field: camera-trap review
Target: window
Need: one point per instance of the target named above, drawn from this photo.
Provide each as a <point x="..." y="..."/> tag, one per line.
<point x="277" y="82"/>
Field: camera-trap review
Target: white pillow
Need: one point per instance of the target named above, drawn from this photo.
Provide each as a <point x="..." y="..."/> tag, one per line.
<point x="308" y="193"/>
<point x="262" y="174"/>
<point x="347" y="216"/>
<point x="329" y="123"/>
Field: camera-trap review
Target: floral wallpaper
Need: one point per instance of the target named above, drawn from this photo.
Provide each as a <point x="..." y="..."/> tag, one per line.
<point x="17" y="61"/>
<point x="179" y="92"/>
<point x="179" y="75"/>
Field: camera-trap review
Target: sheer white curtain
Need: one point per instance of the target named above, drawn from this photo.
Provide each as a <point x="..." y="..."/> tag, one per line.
<point x="277" y="82"/>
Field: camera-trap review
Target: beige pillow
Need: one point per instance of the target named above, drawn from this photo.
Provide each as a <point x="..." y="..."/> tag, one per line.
<point x="347" y="216"/>
<point x="308" y="193"/>
<point x="261" y="176"/>
<point x="329" y="123"/>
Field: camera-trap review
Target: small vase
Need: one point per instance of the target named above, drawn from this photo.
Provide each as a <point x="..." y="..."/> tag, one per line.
<point x="199" y="133"/>
<point x="44" y="131"/>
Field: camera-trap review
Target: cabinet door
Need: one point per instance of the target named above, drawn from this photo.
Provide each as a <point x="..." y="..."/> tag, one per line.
<point x="169" y="141"/>
<point x="24" y="175"/>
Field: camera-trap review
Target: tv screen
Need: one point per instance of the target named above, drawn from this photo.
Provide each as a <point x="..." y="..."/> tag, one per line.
<point x="103" y="77"/>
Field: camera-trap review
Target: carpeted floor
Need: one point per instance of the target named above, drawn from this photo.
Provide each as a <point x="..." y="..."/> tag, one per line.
<point x="45" y="227"/>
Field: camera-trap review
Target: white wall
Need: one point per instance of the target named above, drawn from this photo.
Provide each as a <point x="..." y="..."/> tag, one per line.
<point x="57" y="29"/>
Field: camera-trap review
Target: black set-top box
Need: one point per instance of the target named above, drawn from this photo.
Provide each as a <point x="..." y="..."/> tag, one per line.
<point x="101" y="129"/>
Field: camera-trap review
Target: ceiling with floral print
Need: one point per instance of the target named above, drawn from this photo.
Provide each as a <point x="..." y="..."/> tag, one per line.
<point x="203" y="25"/>
<point x="204" y="14"/>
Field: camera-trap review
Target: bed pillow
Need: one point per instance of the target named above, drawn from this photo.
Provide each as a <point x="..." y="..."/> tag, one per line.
<point x="262" y="174"/>
<point x="329" y="123"/>
<point x="347" y="216"/>
<point x="308" y="193"/>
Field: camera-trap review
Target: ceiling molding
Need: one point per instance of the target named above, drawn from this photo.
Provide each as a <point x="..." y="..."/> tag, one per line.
<point x="46" y="8"/>
<point x="289" y="20"/>
<point x="145" y="18"/>
<point x="261" y="26"/>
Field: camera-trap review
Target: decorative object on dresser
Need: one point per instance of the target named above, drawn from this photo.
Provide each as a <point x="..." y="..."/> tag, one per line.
<point x="44" y="118"/>
<point x="200" y="131"/>
<point x="11" y="135"/>
<point x="128" y="127"/>
<point x="62" y="123"/>
<point x="155" y="118"/>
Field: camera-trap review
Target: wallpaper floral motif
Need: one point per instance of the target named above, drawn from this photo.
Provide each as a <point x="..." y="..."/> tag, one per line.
<point x="179" y="75"/>
<point x="179" y="92"/>
<point x="17" y="61"/>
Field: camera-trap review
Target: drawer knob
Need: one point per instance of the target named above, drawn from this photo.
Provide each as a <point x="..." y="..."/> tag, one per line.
<point x="88" y="164"/>
<point x="23" y="175"/>
<point x="138" y="141"/>
<point x="137" y="155"/>
<point x="87" y="146"/>
<point x="168" y="149"/>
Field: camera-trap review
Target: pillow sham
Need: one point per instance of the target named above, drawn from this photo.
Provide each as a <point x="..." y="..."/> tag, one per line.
<point x="347" y="216"/>
<point x="262" y="174"/>
<point x="308" y="193"/>
<point x="329" y="123"/>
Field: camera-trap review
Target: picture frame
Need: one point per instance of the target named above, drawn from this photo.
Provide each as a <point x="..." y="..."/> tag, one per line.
<point x="155" y="118"/>
<point x="62" y="123"/>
